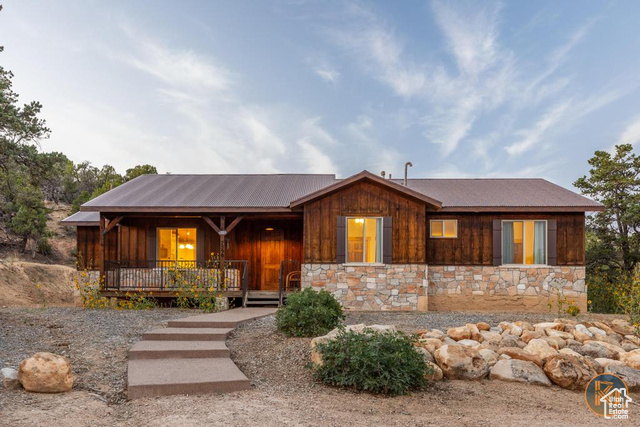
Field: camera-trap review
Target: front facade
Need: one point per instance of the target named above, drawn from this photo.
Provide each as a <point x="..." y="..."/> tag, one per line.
<point x="375" y="244"/>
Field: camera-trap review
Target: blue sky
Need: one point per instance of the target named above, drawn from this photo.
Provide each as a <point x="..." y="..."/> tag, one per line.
<point x="461" y="89"/>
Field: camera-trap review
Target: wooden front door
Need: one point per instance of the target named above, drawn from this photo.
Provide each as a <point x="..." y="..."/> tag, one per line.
<point x="271" y="254"/>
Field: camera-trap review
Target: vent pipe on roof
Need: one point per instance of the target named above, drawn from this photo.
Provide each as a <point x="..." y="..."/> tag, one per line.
<point x="406" y="171"/>
<point x="389" y="176"/>
<point x="383" y="173"/>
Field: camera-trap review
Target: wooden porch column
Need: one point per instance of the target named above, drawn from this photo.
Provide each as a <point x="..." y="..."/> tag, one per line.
<point x="102" y="223"/>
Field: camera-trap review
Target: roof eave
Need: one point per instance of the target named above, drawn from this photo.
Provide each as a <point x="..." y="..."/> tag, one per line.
<point x="182" y="209"/>
<point x="522" y="209"/>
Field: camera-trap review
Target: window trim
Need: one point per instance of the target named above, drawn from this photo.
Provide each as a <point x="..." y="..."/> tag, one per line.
<point x="546" y="243"/>
<point x="431" y="236"/>
<point x="175" y="228"/>
<point x="346" y="241"/>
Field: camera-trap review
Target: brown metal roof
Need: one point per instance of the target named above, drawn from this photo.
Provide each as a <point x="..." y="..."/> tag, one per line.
<point x="200" y="193"/>
<point x="278" y="192"/>
<point x="82" y="218"/>
<point x="502" y="194"/>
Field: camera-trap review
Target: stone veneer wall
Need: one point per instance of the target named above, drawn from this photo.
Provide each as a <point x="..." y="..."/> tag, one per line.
<point x="504" y="288"/>
<point x="398" y="287"/>
<point x="404" y="287"/>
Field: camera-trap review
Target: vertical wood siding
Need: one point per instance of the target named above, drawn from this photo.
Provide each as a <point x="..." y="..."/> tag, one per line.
<point x="365" y="198"/>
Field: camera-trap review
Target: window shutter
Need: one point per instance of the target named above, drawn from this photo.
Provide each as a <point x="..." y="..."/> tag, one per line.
<point x="341" y="240"/>
<point x="387" y="240"/>
<point x="200" y="244"/>
<point x="497" y="242"/>
<point x="552" y="242"/>
<point x="151" y="244"/>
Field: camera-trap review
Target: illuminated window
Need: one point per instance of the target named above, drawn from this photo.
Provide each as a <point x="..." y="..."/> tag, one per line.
<point x="176" y="244"/>
<point x="447" y="228"/>
<point x="364" y="240"/>
<point x="524" y="242"/>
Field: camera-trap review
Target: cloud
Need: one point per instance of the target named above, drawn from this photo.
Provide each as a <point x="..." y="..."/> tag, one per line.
<point x="327" y="74"/>
<point x="631" y="133"/>
<point x="314" y="145"/>
<point x="532" y="136"/>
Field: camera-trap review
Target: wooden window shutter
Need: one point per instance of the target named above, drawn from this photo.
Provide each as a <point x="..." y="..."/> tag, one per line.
<point x="200" y="255"/>
<point x="387" y="240"/>
<point x="341" y="240"/>
<point x="151" y="244"/>
<point x="552" y="242"/>
<point x="497" y="242"/>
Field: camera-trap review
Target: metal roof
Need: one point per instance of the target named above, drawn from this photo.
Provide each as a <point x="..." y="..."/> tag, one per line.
<point x="275" y="193"/>
<point x="82" y="218"/>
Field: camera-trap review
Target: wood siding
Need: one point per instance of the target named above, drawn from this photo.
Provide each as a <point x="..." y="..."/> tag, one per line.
<point x="366" y="199"/>
<point x="474" y="244"/>
<point x="89" y="251"/>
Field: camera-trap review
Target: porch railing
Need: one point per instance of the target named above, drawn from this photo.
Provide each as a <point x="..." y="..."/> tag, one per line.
<point x="161" y="275"/>
<point x="290" y="279"/>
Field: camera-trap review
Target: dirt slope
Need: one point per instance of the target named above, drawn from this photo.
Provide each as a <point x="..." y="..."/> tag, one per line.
<point x="19" y="280"/>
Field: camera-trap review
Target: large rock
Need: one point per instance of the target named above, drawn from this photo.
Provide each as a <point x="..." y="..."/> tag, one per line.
<point x="430" y="344"/>
<point x="46" y="373"/>
<point x="631" y="359"/>
<point x="581" y="333"/>
<point x="490" y="336"/>
<point x="469" y="343"/>
<point x="622" y="327"/>
<point x="540" y="348"/>
<point x="483" y="326"/>
<point x="10" y="378"/>
<point x="561" y="334"/>
<point x="510" y="341"/>
<point x="475" y="332"/>
<point x="461" y="362"/>
<point x="596" y="351"/>
<point x="555" y="342"/>
<point x="525" y="326"/>
<point x="520" y="354"/>
<point x="435" y="372"/>
<point x="426" y="356"/>
<point x="630" y="376"/>
<point x="459" y="333"/>
<point x="519" y="371"/>
<point x="608" y="362"/>
<point x="568" y="371"/>
<point x="541" y="327"/>
<point x="615" y="348"/>
<point x="530" y="335"/>
<point x="489" y="355"/>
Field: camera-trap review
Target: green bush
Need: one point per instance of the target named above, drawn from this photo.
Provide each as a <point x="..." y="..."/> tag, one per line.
<point x="376" y="362"/>
<point x="44" y="247"/>
<point x="309" y="314"/>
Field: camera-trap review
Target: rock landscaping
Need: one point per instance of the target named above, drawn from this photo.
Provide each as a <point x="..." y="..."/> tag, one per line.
<point x="46" y="373"/>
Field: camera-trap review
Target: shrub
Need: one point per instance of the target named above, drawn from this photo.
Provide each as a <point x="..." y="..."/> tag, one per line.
<point x="629" y="299"/>
<point x="44" y="247"/>
<point x="89" y="286"/>
<point x="137" y="302"/>
<point x="309" y="313"/>
<point x="377" y="362"/>
<point x="603" y="289"/>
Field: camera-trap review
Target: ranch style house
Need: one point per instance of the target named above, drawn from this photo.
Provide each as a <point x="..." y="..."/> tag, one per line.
<point x="374" y="243"/>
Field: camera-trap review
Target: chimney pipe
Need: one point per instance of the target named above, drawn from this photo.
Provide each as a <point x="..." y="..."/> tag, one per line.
<point x="406" y="171"/>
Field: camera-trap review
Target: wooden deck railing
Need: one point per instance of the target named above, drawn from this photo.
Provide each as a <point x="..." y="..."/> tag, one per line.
<point x="160" y="275"/>
<point x="290" y="279"/>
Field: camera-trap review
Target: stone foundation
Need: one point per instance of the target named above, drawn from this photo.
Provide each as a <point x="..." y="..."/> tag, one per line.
<point x="397" y="287"/>
<point x="504" y="288"/>
<point x="403" y="287"/>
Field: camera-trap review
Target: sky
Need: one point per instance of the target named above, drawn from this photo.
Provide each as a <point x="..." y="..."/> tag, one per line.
<point x="459" y="88"/>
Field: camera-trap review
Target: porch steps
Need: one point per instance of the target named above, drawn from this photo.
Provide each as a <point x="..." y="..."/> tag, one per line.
<point x="263" y="298"/>
<point x="189" y="357"/>
<point x="187" y="334"/>
<point x="178" y="350"/>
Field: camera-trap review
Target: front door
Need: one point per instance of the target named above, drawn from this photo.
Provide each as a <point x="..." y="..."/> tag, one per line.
<point x="271" y="253"/>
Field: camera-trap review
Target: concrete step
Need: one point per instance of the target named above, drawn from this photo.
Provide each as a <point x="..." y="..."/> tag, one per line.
<point x="164" y="377"/>
<point x="178" y="350"/>
<point x="224" y="319"/>
<point x="263" y="302"/>
<point x="187" y="334"/>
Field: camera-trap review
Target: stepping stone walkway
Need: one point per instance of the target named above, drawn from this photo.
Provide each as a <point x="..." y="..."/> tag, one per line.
<point x="189" y="356"/>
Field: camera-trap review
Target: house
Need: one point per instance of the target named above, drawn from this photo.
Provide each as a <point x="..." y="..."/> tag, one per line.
<point x="374" y="243"/>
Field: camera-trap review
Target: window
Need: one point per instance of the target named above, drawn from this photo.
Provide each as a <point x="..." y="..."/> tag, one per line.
<point x="175" y="244"/>
<point x="524" y="242"/>
<point x="364" y="240"/>
<point x="447" y="228"/>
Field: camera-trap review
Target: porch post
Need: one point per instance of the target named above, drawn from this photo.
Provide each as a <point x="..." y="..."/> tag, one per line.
<point x="223" y="255"/>
<point x="102" y="255"/>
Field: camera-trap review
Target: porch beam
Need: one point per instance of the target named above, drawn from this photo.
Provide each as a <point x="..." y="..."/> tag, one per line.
<point x="111" y="225"/>
<point x="212" y="224"/>
<point x="233" y="224"/>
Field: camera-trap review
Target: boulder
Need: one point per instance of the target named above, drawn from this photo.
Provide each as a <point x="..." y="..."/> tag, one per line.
<point x="490" y="336"/>
<point x="519" y="371"/>
<point x="520" y="354"/>
<point x="483" y="326"/>
<point x="475" y="332"/>
<point x="515" y="330"/>
<point x="608" y="362"/>
<point x="510" y="341"/>
<point x="529" y="335"/>
<point x="10" y="378"/>
<point x="426" y="356"/>
<point x="469" y="343"/>
<point x="615" y="348"/>
<point x="541" y="327"/>
<point x="592" y="363"/>
<point x="540" y="348"/>
<point x="555" y="342"/>
<point x="631" y="359"/>
<point x="525" y="326"/>
<point x="568" y="371"/>
<point x="629" y="346"/>
<point x="598" y="334"/>
<point x="560" y="334"/>
<point x="596" y="351"/>
<point x="632" y="338"/>
<point x="431" y="344"/>
<point x="489" y="345"/>
<point x="568" y="350"/>
<point x="46" y="373"/>
<point x="448" y="341"/>
<point x="459" y="333"/>
<point x="316" y="357"/>
<point x="489" y="355"/>
<point x="461" y="362"/>
<point x="630" y="376"/>
<point x="434" y="333"/>
<point x="435" y="372"/>
<point x="622" y="327"/>
<point x="504" y="326"/>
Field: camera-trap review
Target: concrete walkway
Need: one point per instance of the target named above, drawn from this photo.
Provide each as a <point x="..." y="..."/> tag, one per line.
<point x="189" y="356"/>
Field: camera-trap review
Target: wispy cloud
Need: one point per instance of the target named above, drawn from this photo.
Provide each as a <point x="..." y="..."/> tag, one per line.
<point x="631" y="133"/>
<point x="534" y="135"/>
<point x="327" y="73"/>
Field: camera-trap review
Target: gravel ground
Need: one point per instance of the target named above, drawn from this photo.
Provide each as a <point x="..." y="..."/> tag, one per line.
<point x="95" y="340"/>
<point x="283" y="391"/>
